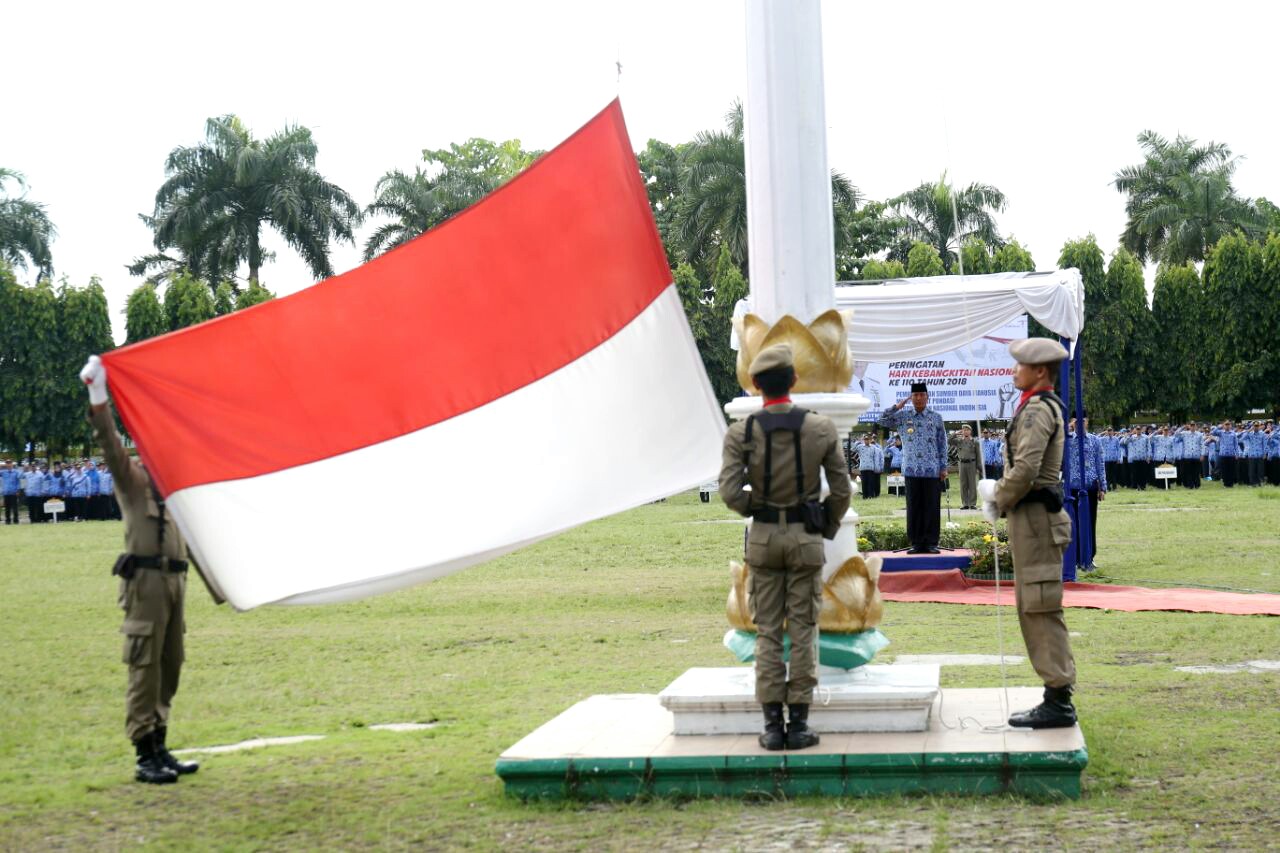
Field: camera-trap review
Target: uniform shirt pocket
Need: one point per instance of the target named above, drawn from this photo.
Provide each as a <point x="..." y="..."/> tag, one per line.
<point x="137" y="641"/>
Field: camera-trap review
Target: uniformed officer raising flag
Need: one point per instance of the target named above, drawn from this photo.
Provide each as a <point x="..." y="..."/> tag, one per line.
<point x="1030" y="496"/>
<point x="781" y="451"/>
<point x="153" y="587"/>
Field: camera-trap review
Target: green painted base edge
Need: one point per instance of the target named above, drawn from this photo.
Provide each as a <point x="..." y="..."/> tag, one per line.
<point x="1039" y="775"/>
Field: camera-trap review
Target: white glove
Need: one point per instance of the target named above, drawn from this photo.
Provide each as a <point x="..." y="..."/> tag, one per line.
<point x="94" y="375"/>
<point x="990" y="511"/>
<point x="987" y="490"/>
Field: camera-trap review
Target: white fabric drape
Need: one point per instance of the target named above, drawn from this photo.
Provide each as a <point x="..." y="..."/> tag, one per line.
<point x="914" y="318"/>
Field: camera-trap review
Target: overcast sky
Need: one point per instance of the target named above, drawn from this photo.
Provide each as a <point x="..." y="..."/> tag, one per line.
<point x="1044" y="101"/>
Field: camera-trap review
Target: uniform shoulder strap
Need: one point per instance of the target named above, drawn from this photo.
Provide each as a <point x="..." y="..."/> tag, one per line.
<point x="1050" y="395"/>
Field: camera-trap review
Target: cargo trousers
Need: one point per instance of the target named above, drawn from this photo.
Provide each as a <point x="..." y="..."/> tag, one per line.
<point x="153" y="646"/>
<point x="1038" y="540"/>
<point x="786" y="597"/>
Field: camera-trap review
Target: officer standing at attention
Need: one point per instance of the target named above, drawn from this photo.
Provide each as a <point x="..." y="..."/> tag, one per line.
<point x="9" y="477"/>
<point x="924" y="464"/>
<point x="870" y="464"/>
<point x="781" y="451"/>
<point x="34" y="489"/>
<point x="1030" y="496"/>
<point x="967" y="457"/>
<point x="992" y="462"/>
<point x="153" y="586"/>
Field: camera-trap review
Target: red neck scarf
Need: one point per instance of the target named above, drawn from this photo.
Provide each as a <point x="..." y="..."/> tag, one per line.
<point x="1029" y="393"/>
<point x="778" y="401"/>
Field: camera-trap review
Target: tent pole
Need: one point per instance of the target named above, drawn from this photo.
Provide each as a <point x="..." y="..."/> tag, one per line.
<point x="1064" y="385"/>
<point x="1082" y="509"/>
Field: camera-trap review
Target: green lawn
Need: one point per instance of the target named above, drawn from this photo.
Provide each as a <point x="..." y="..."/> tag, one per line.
<point x="621" y="605"/>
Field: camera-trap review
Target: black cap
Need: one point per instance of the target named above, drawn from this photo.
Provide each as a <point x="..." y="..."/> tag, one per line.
<point x="918" y="387"/>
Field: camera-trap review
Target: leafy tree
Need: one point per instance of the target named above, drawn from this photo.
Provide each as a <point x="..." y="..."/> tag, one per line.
<point x="1085" y="256"/>
<point x="13" y="428"/>
<point x="84" y="330"/>
<point x="219" y="194"/>
<point x="1116" y="362"/>
<point x="923" y="260"/>
<point x="35" y="356"/>
<point x="662" y="166"/>
<point x="710" y="313"/>
<point x="224" y="299"/>
<point x="875" y="270"/>
<point x="1270" y="214"/>
<point x="187" y="301"/>
<point x="1181" y="200"/>
<point x="861" y="233"/>
<point x="467" y="172"/>
<point x="976" y="258"/>
<point x="946" y="218"/>
<point x="25" y="228"/>
<point x="1242" y="308"/>
<point x="254" y="294"/>
<point x="1011" y="257"/>
<point x="1178" y="311"/>
<point x="144" y="315"/>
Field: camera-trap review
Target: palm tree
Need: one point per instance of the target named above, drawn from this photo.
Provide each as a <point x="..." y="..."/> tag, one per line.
<point x="713" y="205"/>
<point x="25" y="229"/>
<point x="1181" y="201"/>
<point x="413" y="201"/>
<point x="455" y="178"/>
<point x="217" y="196"/>
<point x="947" y="218"/>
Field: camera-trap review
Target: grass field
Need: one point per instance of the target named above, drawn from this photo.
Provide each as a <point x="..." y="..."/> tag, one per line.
<point x="622" y="605"/>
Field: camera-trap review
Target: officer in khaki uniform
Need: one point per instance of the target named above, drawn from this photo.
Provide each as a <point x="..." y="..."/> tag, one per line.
<point x="781" y="451"/>
<point x="967" y="456"/>
<point x="1029" y="495"/>
<point x="153" y="585"/>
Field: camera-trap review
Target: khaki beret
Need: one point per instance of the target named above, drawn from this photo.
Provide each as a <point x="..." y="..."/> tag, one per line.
<point x="1037" y="351"/>
<point x="772" y="358"/>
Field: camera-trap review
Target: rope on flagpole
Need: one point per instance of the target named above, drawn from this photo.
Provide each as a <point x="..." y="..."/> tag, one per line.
<point x="995" y="530"/>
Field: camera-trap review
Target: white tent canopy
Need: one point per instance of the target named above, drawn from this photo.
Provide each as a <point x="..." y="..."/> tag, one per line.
<point x="918" y="317"/>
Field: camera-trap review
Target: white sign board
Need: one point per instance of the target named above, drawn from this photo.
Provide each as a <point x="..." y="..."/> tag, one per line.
<point x="897" y="481"/>
<point x="970" y="383"/>
<point x="51" y="507"/>
<point x="1166" y="472"/>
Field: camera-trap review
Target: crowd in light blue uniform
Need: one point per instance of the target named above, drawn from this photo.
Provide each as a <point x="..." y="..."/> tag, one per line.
<point x="1137" y="457"/>
<point x="87" y="492"/>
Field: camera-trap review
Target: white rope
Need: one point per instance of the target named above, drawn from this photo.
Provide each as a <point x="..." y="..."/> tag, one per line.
<point x="995" y="531"/>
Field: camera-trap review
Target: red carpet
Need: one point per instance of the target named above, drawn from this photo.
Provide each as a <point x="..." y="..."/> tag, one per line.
<point x="952" y="587"/>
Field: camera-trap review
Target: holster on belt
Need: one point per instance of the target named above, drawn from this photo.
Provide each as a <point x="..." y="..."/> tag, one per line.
<point x="1050" y="496"/>
<point x="124" y="567"/>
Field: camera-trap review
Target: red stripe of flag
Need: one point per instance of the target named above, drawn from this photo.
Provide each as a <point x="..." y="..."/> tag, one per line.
<point x="524" y="282"/>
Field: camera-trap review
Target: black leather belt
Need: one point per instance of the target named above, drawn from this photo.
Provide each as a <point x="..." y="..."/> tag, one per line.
<point x="772" y="516"/>
<point x="167" y="563"/>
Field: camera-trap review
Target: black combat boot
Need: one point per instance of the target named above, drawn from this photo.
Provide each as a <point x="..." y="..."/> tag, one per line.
<point x="182" y="768"/>
<point x="799" y="735"/>
<point x="150" y="768"/>
<point x="774" y="737"/>
<point x="1055" y="712"/>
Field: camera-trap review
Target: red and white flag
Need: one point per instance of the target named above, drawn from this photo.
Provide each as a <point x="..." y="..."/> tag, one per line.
<point x="521" y="369"/>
